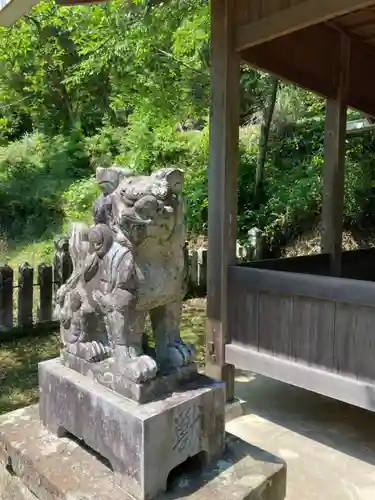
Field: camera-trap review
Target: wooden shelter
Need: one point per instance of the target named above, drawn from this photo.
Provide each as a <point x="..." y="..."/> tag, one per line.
<point x="308" y="321"/>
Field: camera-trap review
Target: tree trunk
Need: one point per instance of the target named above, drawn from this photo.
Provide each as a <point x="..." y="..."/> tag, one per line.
<point x="264" y="135"/>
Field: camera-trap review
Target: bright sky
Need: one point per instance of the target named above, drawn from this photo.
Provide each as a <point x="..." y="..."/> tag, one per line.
<point x="3" y="3"/>
<point x="12" y="10"/>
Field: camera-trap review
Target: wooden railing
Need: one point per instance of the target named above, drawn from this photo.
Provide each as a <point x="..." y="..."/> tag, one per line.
<point x="27" y="296"/>
<point x="309" y="330"/>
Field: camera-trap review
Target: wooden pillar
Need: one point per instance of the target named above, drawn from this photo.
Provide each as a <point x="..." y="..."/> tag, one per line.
<point x="222" y="186"/>
<point x="334" y="164"/>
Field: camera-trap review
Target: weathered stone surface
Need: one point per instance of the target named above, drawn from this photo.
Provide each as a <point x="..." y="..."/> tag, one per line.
<point x="12" y="487"/>
<point x="48" y="468"/>
<point x="152" y="390"/>
<point x="130" y="264"/>
<point x="52" y="468"/>
<point x="142" y="442"/>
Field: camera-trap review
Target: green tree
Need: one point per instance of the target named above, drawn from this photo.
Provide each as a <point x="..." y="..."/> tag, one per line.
<point x="37" y="56"/>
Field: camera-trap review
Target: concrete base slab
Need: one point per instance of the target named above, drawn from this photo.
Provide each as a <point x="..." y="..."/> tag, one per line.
<point x="141" y="442"/>
<point x="329" y="446"/>
<point x="37" y="465"/>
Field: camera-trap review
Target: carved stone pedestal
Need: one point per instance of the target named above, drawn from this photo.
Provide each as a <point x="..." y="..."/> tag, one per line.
<point x="143" y="443"/>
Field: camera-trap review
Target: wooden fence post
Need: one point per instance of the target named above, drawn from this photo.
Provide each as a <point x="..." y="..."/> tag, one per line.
<point x="25" y="295"/>
<point x="66" y="266"/>
<point x="256" y="242"/>
<point x="193" y="272"/>
<point x="62" y="263"/>
<point x="45" y="292"/>
<point x="202" y="271"/>
<point x="6" y="297"/>
<point x="242" y="253"/>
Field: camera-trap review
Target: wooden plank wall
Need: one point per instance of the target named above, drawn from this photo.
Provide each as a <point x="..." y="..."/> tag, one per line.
<point x="356" y="264"/>
<point x="359" y="264"/>
<point x="308" y="264"/>
<point x="322" y="324"/>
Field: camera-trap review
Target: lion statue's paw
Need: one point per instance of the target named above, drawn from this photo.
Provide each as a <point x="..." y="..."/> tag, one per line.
<point x="137" y="369"/>
<point x="180" y="354"/>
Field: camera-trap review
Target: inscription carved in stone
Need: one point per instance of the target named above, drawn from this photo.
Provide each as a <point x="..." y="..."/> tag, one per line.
<point x="186" y="430"/>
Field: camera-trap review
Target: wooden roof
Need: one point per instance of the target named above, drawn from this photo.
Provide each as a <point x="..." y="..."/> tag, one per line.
<point x="12" y="10"/>
<point x="302" y="41"/>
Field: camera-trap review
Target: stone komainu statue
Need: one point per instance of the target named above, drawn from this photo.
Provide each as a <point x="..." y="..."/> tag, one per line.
<point x="129" y="264"/>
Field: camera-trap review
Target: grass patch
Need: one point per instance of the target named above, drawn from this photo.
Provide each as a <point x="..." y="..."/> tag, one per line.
<point x="34" y="253"/>
<point x="19" y="369"/>
<point x="19" y="359"/>
<point x="193" y="326"/>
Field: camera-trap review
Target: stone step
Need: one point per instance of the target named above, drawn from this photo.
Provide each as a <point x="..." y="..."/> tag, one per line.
<point x="36" y="465"/>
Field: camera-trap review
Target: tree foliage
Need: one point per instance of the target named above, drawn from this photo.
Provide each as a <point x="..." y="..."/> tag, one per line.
<point x="83" y="67"/>
<point x="87" y="66"/>
<point x="88" y="85"/>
